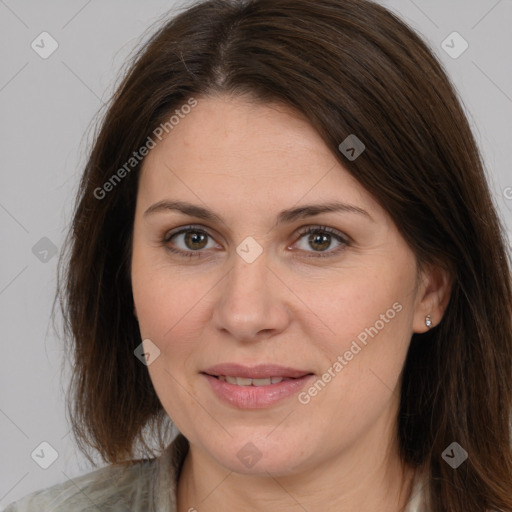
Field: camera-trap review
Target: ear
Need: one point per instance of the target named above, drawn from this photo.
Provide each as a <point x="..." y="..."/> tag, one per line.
<point x="433" y="295"/>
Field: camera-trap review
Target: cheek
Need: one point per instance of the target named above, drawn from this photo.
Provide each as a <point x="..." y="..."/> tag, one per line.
<point x="361" y="302"/>
<point x="168" y="308"/>
<point x="369" y="315"/>
<point x="158" y="292"/>
<point x="371" y="320"/>
<point x="171" y="306"/>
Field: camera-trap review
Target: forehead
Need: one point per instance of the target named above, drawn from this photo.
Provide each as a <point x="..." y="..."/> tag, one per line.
<point x="244" y="153"/>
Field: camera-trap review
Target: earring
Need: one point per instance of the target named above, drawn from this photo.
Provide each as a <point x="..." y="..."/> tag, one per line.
<point x="428" y="321"/>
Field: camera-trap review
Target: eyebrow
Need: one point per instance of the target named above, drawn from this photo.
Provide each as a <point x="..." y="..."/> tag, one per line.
<point x="285" y="216"/>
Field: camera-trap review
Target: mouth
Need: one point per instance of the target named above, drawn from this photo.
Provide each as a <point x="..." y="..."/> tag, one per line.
<point x="259" y="375"/>
<point x="255" y="387"/>
<point x="243" y="381"/>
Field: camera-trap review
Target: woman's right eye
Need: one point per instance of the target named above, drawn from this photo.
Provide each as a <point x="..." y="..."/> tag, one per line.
<point x="192" y="240"/>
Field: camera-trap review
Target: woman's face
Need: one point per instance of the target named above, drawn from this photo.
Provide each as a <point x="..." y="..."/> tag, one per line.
<point x="249" y="294"/>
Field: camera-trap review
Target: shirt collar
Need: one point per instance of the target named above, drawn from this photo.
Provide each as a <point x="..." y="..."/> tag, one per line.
<point x="167" y="475"/>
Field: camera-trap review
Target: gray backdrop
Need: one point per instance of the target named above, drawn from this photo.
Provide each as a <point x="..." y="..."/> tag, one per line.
<point x="60" y="61"/>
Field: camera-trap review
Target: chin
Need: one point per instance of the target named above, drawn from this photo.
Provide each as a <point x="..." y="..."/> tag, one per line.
<point x="260" y="453"/>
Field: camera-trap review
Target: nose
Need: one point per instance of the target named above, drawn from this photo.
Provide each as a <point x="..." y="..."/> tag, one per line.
<point x="252" y="301"/>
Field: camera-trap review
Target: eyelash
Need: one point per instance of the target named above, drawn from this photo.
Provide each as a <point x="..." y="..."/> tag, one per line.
<point x="343" y="239"/>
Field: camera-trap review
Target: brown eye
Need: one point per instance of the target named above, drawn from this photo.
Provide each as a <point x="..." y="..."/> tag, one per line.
<point x="188" y="241"/>
<point x="195" y="240"/>
<point x="319" y="242"/>
<point x="320" y="239"/>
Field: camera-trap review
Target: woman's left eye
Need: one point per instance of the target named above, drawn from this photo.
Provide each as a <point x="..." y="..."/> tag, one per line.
<point x="195" y="241"/>
<point x="321" y="237"/>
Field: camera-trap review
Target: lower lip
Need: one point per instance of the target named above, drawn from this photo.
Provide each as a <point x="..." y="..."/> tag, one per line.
<point x="256" y="397"/>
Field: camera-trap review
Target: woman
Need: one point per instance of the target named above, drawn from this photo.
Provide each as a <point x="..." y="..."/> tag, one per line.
<point x="284" y="242"/>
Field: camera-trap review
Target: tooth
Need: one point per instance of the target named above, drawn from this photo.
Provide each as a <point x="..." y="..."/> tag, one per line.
<point x="241" y="381"/>
<point x="261" y="382"/>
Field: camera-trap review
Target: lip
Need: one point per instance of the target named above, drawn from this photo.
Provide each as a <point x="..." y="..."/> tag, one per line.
<point x="255" y="397"/>
<point x="261" y="371"/>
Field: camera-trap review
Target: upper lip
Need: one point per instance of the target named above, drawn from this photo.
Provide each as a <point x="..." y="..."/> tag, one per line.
<point x="261" y="371"/>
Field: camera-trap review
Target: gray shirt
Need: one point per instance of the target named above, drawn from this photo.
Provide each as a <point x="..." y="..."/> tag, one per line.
<point x="145" y="485"/>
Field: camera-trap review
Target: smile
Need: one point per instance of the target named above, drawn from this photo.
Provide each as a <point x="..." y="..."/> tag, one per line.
<point x="255" y="393"/>
<point x="243" y="381"/>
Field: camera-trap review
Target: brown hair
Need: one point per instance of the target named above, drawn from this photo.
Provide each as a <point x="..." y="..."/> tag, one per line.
<point x="350" y="67"/>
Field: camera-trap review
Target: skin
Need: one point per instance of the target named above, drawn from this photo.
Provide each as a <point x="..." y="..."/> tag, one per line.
<point x="248" y="161"/>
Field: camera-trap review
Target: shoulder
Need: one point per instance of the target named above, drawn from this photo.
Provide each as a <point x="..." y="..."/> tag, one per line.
<point x="117" y="488"/>
<point x="144" y="484"/>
